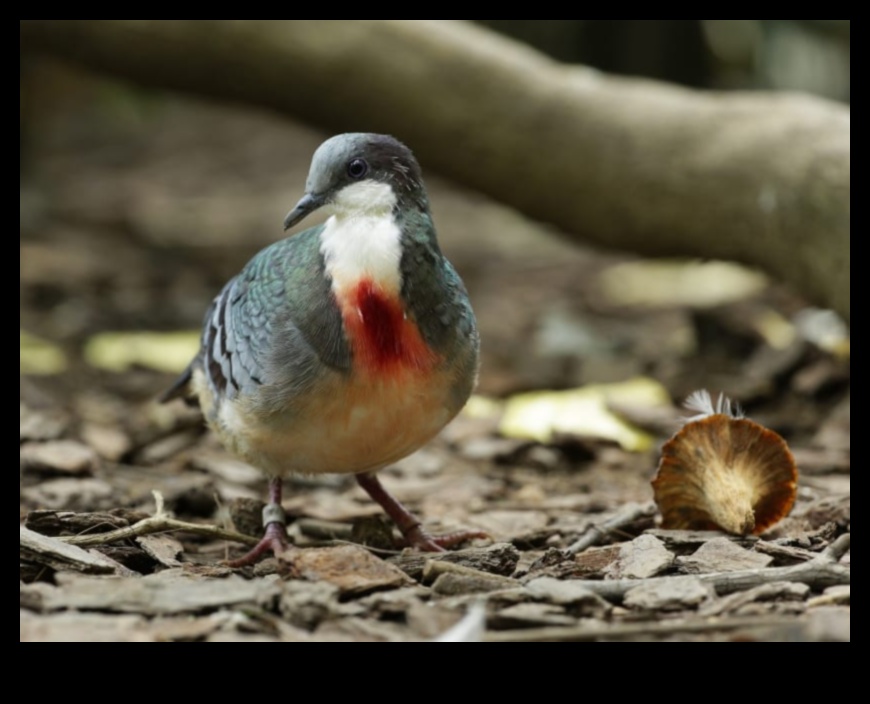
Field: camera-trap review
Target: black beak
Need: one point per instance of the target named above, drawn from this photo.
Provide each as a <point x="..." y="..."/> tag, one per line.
<point x="307" y="204"/>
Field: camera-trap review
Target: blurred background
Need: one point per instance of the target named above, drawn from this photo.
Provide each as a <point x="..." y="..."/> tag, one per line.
<point x="137" y="205"/>
<point x="805" y="55"/>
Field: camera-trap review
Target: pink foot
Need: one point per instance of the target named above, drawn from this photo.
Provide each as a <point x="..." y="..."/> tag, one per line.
<point x="274" y="536"/>
<point x="408" y="523"/>
<point x="274" y="539"/>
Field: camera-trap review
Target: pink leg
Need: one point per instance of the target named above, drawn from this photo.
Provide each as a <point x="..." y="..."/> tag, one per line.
<point x="275" y="535"/>
<point x="408" y="523"/>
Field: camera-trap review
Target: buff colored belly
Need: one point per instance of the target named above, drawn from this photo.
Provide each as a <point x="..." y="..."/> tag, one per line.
<point x="345" y="428"/>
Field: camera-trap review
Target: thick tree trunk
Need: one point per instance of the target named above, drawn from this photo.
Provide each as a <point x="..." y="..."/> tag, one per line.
<point x="758" y="178"/>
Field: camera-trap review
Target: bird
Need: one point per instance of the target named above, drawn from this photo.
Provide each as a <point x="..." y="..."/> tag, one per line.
<point x="342" y="348"/>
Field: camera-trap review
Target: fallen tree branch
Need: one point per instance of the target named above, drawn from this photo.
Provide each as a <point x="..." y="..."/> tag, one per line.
<point x="636" y="165"/>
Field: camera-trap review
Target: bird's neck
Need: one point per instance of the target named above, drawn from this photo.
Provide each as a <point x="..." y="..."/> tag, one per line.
<point x="362" y="255"/>
<point x="359" y="245"/>
<point x="364" y="199"/>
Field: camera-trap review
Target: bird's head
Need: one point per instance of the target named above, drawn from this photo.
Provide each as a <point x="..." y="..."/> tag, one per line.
<point x="360" y="173"/>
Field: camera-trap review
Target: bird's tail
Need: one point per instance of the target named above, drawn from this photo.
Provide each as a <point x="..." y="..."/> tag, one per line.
<point x="180" y="389"/>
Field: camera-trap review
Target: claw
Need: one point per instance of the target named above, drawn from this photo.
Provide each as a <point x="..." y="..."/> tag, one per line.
<point x="274" y="539"/>
<point x="418" y="538"/>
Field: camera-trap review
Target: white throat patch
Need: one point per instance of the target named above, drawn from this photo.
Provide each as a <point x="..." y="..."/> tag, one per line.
<point x="361" y="239"/>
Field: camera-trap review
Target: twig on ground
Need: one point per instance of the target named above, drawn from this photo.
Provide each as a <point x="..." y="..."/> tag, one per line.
<point x="820" y="572"/>
<point x="160" y="522"/>
<point x="594" y="534"/>
<point x="633" y="630"/>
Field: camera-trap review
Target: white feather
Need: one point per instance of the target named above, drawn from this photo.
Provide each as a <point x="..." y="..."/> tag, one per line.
<point x="702" y="403"/>
<point x="361" y="239"/>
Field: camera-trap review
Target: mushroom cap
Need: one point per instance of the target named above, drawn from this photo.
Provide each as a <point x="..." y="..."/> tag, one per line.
<point x="725" y="473"/>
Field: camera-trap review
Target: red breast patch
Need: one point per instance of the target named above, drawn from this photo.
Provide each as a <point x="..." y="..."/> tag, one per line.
<point x="383" y="338"/>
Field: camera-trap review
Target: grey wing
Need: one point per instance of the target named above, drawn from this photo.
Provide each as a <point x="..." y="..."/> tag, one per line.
<point x="235" y="335"/>
<point x="232" y="328"/>
<point x="272" y="329"/>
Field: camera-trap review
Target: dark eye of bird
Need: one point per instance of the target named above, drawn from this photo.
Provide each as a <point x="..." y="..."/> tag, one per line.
<point x="357" y="168"/>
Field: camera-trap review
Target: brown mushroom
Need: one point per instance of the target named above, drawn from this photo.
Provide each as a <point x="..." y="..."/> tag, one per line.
<point x="722" y="471"/>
